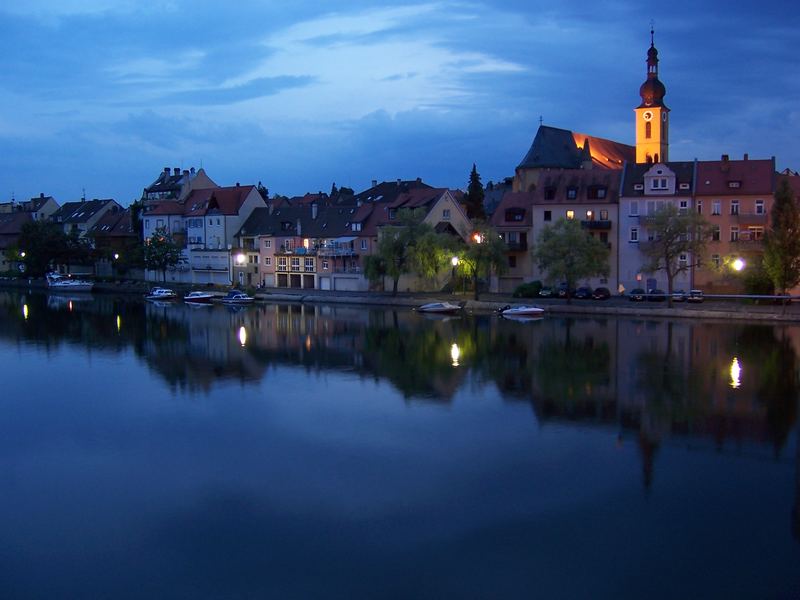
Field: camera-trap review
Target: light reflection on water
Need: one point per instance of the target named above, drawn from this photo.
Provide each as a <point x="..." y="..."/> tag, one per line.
<point x="339" y="451"/>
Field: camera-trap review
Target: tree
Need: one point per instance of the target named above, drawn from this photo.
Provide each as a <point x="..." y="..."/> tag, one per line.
<point x="782" y="240"/>
<point x="404" y="248"/>
<point x="43" y="244"/>
<point x="674" y="234"/>
<point x="161" y="252"/>
<point x="485" y="253"/>
<point x="474" y="196"/>
<point x="567" y="253"/>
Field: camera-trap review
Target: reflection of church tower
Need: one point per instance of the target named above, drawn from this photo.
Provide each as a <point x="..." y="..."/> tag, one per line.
<point x="652" y="115"/>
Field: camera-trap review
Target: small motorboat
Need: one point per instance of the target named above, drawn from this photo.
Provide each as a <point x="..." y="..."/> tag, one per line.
<point x="237" y="298"/>
<point x="440" y="308"/>
<point x="161" y="294"/>
<point x="521" y="311"/>
<point x="60" y="283"/>
<point x="198" y="298"/>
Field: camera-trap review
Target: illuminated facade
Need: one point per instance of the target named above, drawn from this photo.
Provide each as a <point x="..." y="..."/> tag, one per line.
<point x="652" y="115"/>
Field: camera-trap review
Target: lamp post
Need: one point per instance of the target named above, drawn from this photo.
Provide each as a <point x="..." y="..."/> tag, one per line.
<point x="738" y="264"/>
<point x="454" y="262"/>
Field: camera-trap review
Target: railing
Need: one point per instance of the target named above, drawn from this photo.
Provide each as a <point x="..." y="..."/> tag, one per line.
<point x="751" y="217"/>
<point x="596" y="224"/>
<point x="517" y="246"/>
<point x="335" y="250"/>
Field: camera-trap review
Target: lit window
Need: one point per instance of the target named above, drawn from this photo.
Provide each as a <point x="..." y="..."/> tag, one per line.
<point x="734" y="233"/>
<point x="570" y="214"/>
<point x="268" y="260"/>
<point x="589" y="215"/>
<point x="267" y="243"/>
<point x="604" y="215"/>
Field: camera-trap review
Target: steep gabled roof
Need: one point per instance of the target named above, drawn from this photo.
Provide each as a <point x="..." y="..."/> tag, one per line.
<point x="79" y="212"/>
<point x="563" y="149"/>
<point x="387" y="191"/>
<point x="224" y="200"/>
<point x="554" y="186"/>
<point x="514" y="202"/>
<point x="634" y="174"/>
<point x="114" y="224"/>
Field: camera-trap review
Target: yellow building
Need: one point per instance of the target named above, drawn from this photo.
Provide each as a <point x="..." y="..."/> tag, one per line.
<point x="652" y="115"/>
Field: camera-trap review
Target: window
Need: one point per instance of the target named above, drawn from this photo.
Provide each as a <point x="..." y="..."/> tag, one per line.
<point x="324" y="265"/>
<point x="512" y="261"/>
<point x="715" y="233"/>
<point x="549" y="193"/>
<point x="590" y="215"/>
<point x="699" y="207"/>
<point x="282" y="263"/>
<point x="756" y="233"/>
<point x="147" y="223"/>
<point x="159" y="223"/>
<point x="217" y="221"/>
<point x="446" y="214"/>
<point x="716" y="207"/>
<point x="268" y="261"/>
<point x="597" y="192"/>
<point x="734" y="233"/>
<point x="683" y="261"/>
<point x="267" y="243"/>
<point x="515" y="214"/>
<point x="295" y="263"/>
<point x="658" y="183"/>
<point x="683" y="207"/>
<point x="760" y="207"/>
<point x="648" y="130"/>
<point x="634" y="237"/>
<point x="356" y="227"/>
<point x="252" y="259"/>
<point x="634" y="209"/>
<point x="604" y="215"/>
<point x="309" y="264"/>
<point x="548" y="215"/>
<point x="734" y="207"/>
<point x="715" y="260"/>
<point x="392" y="213"/>
<point x="511" y="237"/>
<point x="734" y="184"/>
<point x="363" y="244"/>
<point x="572" y="193"/>
<point x="570" y="214"/>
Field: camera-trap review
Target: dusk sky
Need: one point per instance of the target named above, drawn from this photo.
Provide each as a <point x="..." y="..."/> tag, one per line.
<point x="103" y="94"/>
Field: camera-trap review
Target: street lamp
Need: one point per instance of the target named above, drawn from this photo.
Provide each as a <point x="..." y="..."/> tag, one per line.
<point x="240" y="258"/>
<point x="738" y="264"/>
<point x="116" y="255"/>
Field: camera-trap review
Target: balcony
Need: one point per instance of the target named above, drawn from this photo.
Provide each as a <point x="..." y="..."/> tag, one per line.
<point x="751" y="218"/>
<point x="518" y="246"/>
<point x="351" y="270"/>
<point x="335" y="250"/>
<point x="595" y="225"/>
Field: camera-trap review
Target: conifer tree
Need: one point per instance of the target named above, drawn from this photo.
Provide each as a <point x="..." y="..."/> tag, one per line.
<point x="474" y="196"/>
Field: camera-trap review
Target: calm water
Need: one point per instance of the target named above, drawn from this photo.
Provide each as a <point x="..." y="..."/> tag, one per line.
<point x="324" y="451"/>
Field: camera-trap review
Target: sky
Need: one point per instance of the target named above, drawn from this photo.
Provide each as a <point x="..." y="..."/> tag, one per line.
<point x="98" y="96"/>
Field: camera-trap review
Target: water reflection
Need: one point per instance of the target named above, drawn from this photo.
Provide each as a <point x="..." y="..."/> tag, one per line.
<point x="477" y="428"/>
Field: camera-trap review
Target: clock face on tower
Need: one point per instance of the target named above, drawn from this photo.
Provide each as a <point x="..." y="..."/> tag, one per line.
<point x="647" y="115"/>
<point x="664" y="117"/>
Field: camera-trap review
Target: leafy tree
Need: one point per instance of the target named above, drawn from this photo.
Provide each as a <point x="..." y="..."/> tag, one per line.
<point x="410" y="246"/>
<point x="43" y="243"/>
<point x="161" y="252"/>
<point x="485" y="253"/>
<point x="782" y="241"/>
<point x="674" y="234"/>
<point x="567" y="253"/>
<point x="474" y="196"/>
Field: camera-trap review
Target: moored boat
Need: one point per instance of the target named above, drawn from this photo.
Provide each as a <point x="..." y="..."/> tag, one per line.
<point x="61" y="283"/>
<point x="161" y="294"/>
<point x="440" y="308"/>
<point x="237" y="298"/>
<point x="198" y="298"/>
<point x="521" y="311"/>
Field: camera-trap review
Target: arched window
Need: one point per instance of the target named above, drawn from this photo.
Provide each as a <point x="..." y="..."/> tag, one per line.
<point x="648" y="130"/>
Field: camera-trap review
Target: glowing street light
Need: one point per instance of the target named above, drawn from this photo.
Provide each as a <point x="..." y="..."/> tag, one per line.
<point x="454" y="261"/>
<point x="738" y="264"/>
<point x="240" y="259"/>
<point x="116" y="255"/>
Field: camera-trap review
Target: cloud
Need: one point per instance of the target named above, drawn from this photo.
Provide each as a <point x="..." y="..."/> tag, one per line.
<point x="52" y="10"/>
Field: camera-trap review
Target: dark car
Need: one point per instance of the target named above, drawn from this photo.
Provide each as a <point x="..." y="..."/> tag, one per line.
<point x="565" y="292"/>
<point x="656" y="295"/>
<point x="694" y="296"/>
<point x="601" y="293"/>
<point x="636" y="295"/>
<point x="583" y="293"/>
<point x="546" y="292"/>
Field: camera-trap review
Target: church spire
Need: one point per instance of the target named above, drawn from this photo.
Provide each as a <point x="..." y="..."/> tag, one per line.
<point x="652" y="115"/>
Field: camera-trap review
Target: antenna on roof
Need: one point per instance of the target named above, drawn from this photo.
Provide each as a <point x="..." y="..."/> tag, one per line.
<point x="83" y="194"/>
<point x="541" y="120"/>
<point x="652" y="31"/>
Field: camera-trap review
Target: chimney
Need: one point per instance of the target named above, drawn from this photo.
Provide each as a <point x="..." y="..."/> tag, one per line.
<point x="41" y="194"/>
<point x="725" y="158"/>
<point x="191" y="170"/>
<point x="177" y="171"/>
<point x="237" y="184"/>
<point x="374" y="183"/>
<point x="746" y="156"/>
<point x="399" y="181"/>
<point x="299" y="230"/>
<point x="186" y="172"/>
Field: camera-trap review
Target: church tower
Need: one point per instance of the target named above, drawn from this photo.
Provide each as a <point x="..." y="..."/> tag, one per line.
<point x="652" y="115"/>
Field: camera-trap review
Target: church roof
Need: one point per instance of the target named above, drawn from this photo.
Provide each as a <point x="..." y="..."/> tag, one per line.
<point x="564" y="149"/>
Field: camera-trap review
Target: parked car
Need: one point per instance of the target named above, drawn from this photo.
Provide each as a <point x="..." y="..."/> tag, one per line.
<point x="694" y="296"/>
<point x="565" y="292"/>
<point x="678" y="296"/>
<point x="601" y="293"/>
<point x="583" y="293"/>
<point x="636" y="295"/>
<point x="656" y="295"/>
<point x="546" y="292"/>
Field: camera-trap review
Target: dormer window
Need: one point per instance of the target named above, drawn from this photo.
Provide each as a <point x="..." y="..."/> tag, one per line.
<point x="734" y="184"/>
<point x="515" y="214"/>
<point x="356" y="226"/>
<point x="597" y="192"/>
<point x="572" y="193"/>
<point x="658" y="183"/>
<point x="550" y="192"/>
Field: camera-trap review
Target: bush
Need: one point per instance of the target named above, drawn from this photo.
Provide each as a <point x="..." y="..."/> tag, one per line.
<point x="528" y="290"/>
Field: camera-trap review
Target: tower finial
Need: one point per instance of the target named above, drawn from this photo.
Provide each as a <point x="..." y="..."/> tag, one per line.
<point x="652" y="32"/>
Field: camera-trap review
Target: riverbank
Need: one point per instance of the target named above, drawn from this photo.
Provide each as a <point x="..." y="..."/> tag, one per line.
<point x="616" y="306"/>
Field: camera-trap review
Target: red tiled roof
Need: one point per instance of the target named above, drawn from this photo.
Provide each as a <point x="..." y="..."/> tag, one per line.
<point x="751" y="177"/>
<point x="417" y="197"/>
<point x="166" y="207"/>
<point x="511" y="201"/>
<point x="225" y="200"/>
